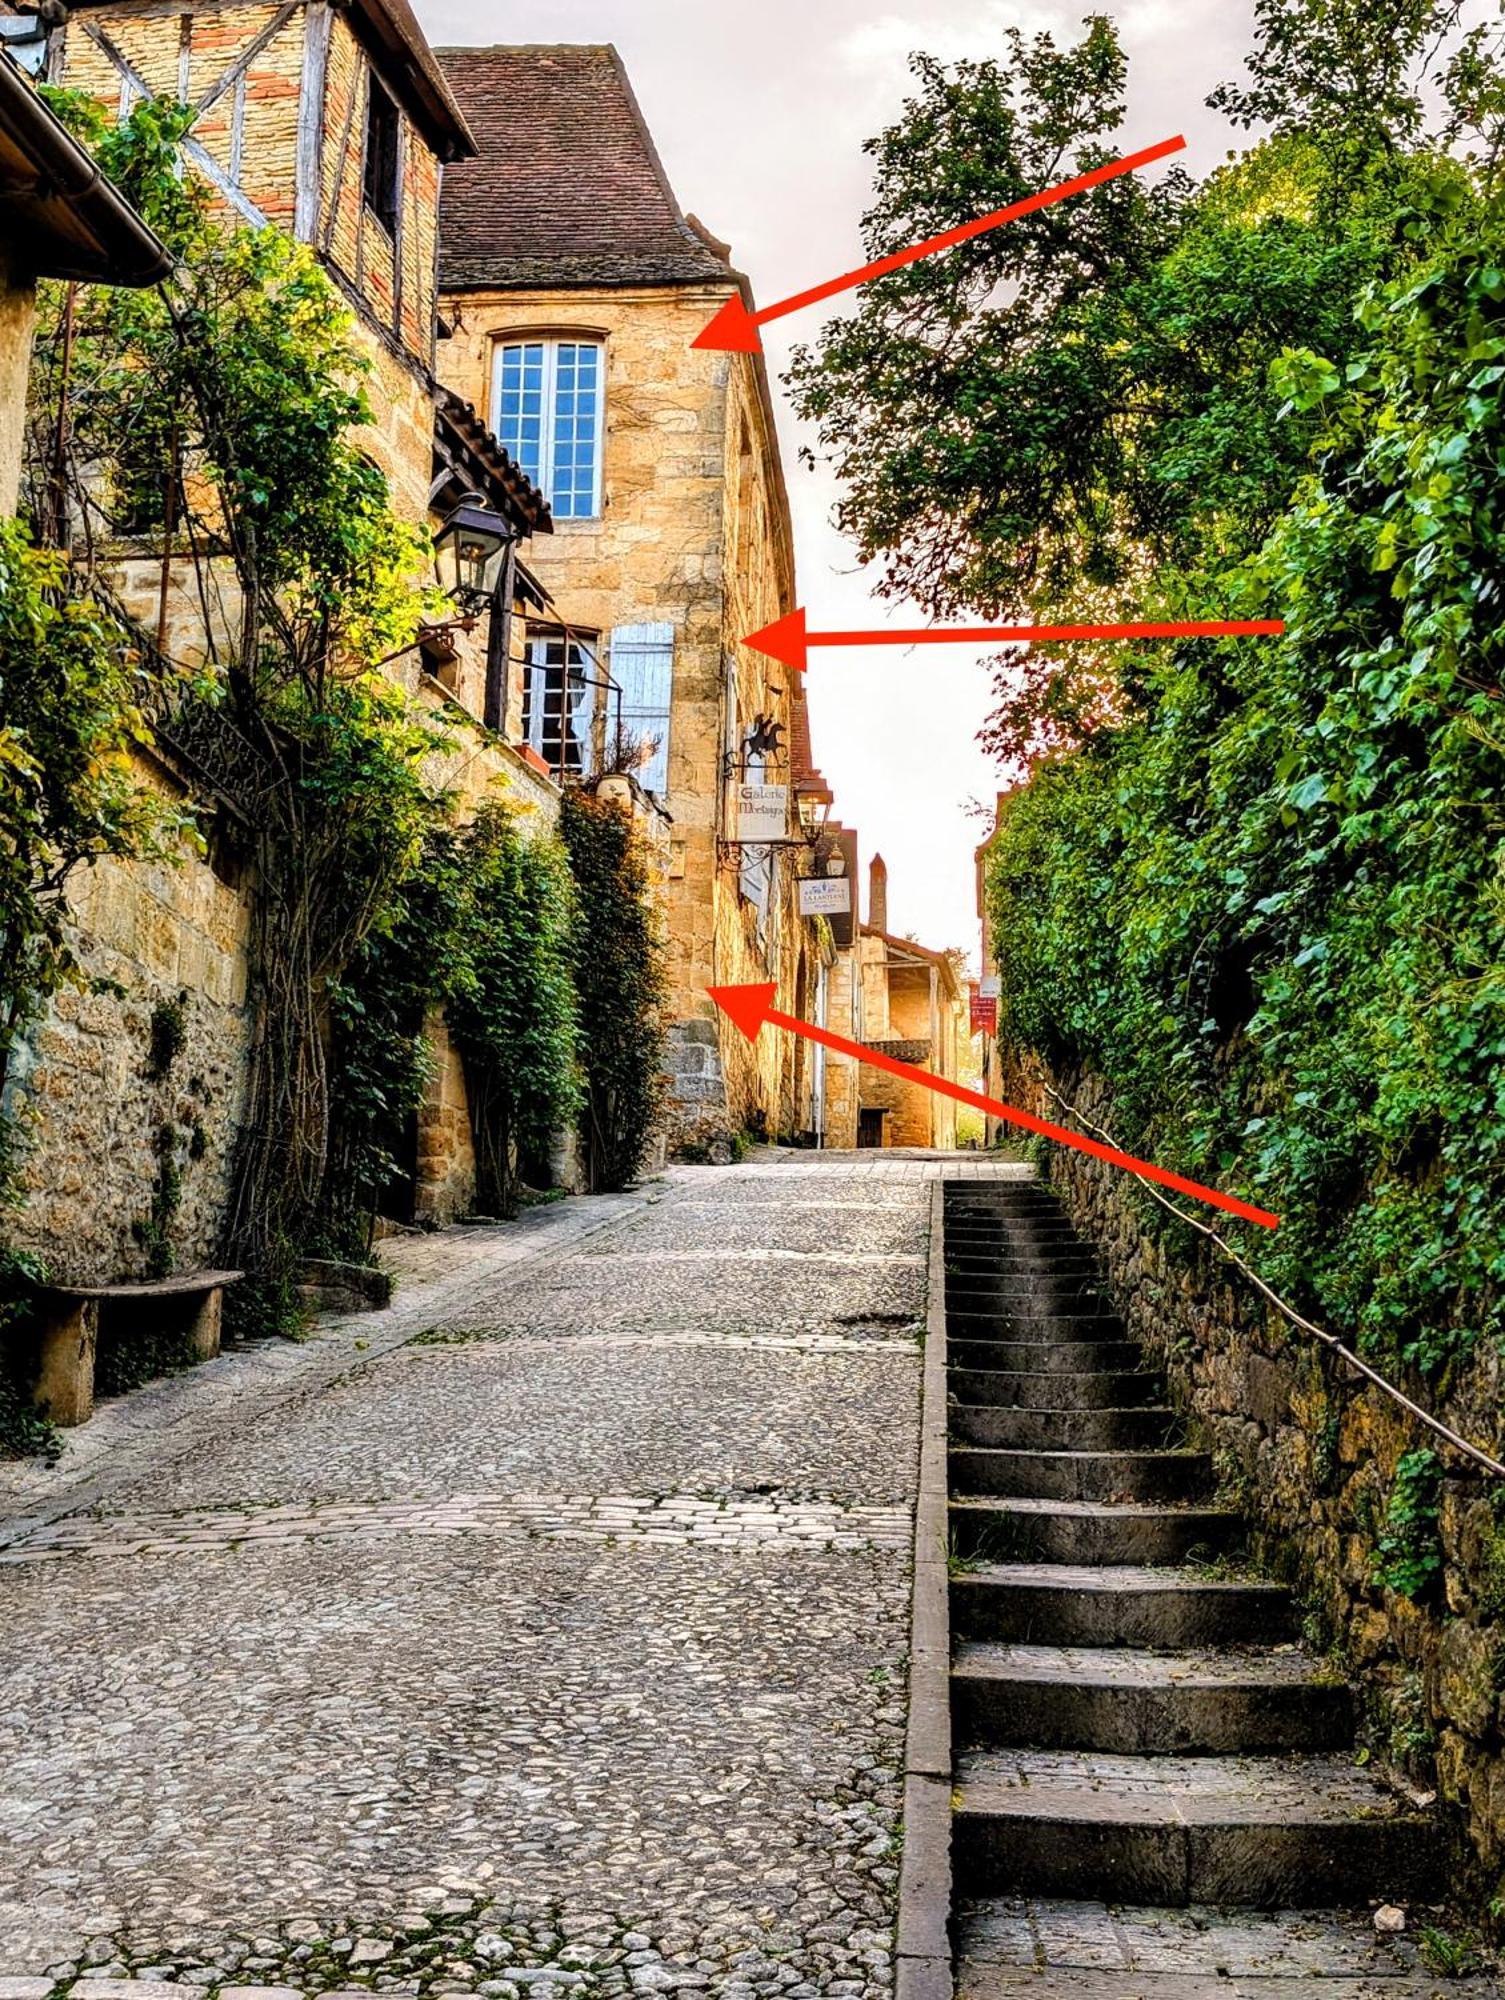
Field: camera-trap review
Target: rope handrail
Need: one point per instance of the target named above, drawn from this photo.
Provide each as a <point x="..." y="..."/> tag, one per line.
<point x="1288" y="1311"/>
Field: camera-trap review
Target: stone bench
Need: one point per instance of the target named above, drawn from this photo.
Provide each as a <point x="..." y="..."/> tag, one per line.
<point x="73" y="1319"/>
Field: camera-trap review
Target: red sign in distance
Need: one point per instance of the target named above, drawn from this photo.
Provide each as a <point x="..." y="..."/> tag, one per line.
<point x="734" y="330"/>
<point x="789" y="639"/>
<point x="750" y="1007"/>
<point x="984" y="1014"/>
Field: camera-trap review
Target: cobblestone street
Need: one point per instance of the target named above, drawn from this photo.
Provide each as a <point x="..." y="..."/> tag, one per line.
<point x="546" y="1633"/>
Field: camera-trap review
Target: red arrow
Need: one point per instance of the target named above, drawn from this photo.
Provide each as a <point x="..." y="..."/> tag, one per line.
<point x="748" y="1007"/>
<point x="734" y="330"/>
<point x="789" y="639"/>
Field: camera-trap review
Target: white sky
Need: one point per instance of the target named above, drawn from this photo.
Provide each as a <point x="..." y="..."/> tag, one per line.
<point x="759" y="109"/>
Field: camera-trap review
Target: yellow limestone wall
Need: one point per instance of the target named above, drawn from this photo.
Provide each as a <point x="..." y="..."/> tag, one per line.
<point x="17" y="322"/>
<point x="693" y="533"/>
<point x="92" y="1115"/>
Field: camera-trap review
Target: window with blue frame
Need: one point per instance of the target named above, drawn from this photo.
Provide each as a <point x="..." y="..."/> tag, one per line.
<point x="547" y="405"/>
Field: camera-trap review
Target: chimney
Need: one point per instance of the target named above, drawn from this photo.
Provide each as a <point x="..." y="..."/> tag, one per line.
<point x="877" y="894"/>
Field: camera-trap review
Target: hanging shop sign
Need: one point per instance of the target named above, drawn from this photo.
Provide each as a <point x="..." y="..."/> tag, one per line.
<point x="823" y="896"/>
<point x="762" y="812"/>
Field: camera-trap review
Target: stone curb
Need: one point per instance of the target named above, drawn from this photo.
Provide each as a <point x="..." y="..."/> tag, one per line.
<point x="923" y="1958"/>
<point x="383" y="1336"/>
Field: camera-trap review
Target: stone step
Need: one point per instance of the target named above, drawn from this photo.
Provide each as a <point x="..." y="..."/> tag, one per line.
<point x="1067" y="1430"/>
<point x="1009" y="1946"/>
<point x="1083" y="1531"/>
<point x="1018" y="1231"/>
<point x="1195" y="1702"/>
<point x="1018" y="1238"/>
<point x="1082" y="1475"/>
<point x="997" y="1263"/>
<point x="1015" y="1276"/>
<point x="1251" y="1832"/>
<point x="1060" y="1291"/>
<point x="1115" y="1605"/>
<point x="1055" y="1389"/>
<point x="1030" y="1323"/>
<point x="1047" y="1357"/>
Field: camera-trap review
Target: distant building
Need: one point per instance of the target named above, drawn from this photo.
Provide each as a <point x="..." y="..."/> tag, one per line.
<point x="906" y="1001"/>
<point x="573" y="287"/>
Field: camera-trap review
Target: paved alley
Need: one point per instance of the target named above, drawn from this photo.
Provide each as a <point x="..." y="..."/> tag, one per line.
<point x="546" y="1633"/>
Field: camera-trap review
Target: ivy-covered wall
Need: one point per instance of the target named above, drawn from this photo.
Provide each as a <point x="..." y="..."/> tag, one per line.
<point x="1398" y="1556"/>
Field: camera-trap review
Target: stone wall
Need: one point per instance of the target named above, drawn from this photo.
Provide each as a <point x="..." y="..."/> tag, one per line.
<point x="155" y="932"/>
<point x="17" y="324"/>
<point x="1309" y="1450"/>
<point x="93" y="1117"/>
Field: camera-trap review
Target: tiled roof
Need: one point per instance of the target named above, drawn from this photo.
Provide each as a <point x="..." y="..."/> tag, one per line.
<point x="569" y="190"/>
<point x="467" y="452"/>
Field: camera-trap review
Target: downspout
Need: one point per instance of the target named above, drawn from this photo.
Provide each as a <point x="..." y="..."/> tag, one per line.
<point x="821" y="978"/>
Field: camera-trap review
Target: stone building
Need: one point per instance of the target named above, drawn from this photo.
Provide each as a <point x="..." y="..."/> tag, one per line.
<point x="333" y="123"/>
<point x="573" y="286"/>
<point x="907" y="1001"/>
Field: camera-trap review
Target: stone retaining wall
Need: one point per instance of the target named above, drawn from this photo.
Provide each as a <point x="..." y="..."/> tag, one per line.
<point x="1309" y="1451"/>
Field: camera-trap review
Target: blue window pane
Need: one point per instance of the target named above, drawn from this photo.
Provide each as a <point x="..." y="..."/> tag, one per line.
<point x="548" y="415"/>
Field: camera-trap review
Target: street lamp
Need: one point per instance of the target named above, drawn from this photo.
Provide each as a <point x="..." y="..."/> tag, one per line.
<point x="813" y="803"/>
<point x="470" y="550"/>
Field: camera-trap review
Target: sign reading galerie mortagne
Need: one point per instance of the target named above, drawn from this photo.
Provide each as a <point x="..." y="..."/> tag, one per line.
<point x="762" y="812"/>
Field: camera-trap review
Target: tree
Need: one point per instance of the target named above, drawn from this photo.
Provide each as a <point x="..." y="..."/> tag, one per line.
<point x="1255" y="887"/>
<point x="1351" y="75"/>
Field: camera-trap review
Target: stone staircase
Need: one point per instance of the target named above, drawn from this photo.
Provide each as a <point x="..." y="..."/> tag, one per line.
<point x="1141" y="1748"/>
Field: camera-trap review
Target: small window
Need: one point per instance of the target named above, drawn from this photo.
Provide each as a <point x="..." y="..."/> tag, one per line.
<point x="559" y="706"/>
<point x="382" y="186"/>
<point x="547" y="411"/>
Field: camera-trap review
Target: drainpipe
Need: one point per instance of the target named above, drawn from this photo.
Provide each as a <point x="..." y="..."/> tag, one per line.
<point x="819" y="1082"/>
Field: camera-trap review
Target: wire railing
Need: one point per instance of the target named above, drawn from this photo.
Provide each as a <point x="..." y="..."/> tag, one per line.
<point x="1287" y="1311"/>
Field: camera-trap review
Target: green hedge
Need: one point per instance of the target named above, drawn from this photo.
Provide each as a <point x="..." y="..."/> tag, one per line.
<point x="1269" y="910"/>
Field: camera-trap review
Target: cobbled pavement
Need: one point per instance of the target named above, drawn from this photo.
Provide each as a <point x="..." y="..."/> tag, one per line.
<point x="543" y="1637"/>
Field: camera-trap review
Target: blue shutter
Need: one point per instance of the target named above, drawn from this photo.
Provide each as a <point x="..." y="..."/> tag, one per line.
<point x="642" y="665"/>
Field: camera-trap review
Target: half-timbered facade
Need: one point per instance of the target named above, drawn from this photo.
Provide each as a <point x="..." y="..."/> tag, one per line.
<point x="332" y="123"/>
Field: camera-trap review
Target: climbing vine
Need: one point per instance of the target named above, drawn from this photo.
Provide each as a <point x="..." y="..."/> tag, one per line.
<point x="1408" y="1557"/>
<point x="74" y="691"/>
<point x="620" y="978"/>
<point x="513" y="1013"/>
<point x="483" y="931"/>
<point x="219" y="419"/>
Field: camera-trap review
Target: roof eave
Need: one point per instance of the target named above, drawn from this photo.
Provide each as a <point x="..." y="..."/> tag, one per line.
<point x="120" y="248"/>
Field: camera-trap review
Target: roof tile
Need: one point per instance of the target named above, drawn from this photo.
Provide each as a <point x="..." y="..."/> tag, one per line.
<point x="569" y="189"/>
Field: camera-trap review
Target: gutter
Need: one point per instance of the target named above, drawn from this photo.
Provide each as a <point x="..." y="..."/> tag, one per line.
<point x="129" y="252"/>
